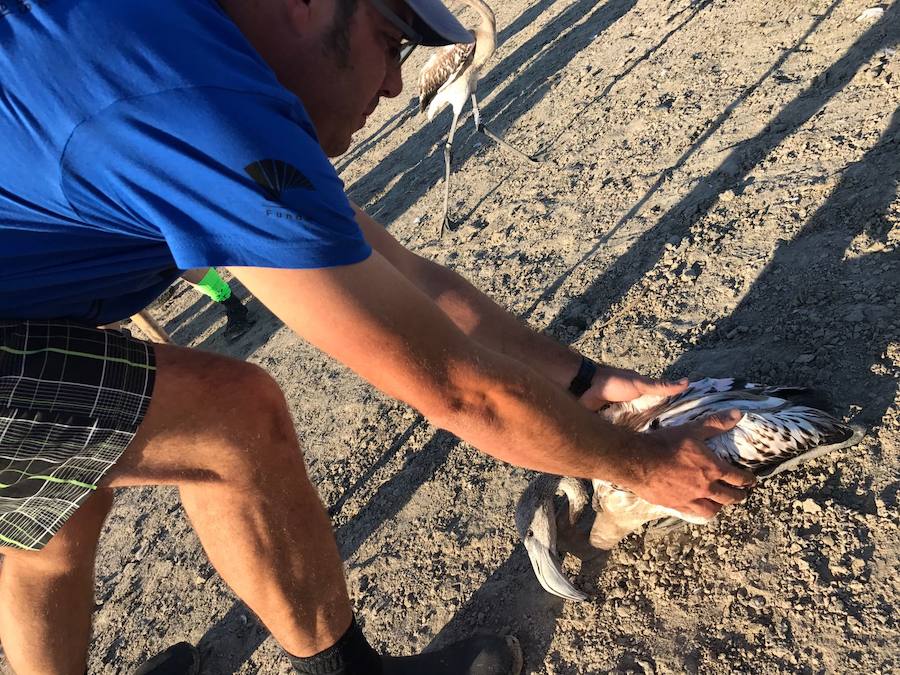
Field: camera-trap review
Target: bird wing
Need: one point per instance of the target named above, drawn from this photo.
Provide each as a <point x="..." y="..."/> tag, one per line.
<point x="442" y="69"/>
<point x="763" y="439"/>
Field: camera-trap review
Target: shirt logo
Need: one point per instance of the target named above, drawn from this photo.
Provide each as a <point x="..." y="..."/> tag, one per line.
<point x="275" y="176"/>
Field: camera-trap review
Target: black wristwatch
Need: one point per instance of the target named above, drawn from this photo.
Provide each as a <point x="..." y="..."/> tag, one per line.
<point x="582" y="380"/>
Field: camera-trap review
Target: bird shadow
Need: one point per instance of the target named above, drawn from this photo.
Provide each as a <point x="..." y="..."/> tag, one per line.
<point x="397" y="120"/>
<point x="693" y="10"/>
<point x="544" y="153"/>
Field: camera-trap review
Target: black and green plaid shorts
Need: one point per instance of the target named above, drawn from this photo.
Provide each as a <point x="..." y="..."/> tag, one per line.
<point x="71" y="400"/>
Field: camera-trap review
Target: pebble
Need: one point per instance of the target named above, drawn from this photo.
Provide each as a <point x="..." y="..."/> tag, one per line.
<point x="616" y="594"/>
<point x="808" y="506"/>
<point x="870" y="14"/>
<point x="805" y="358"/>
<point x="646" y="666"/>
<point x="757" y="602"/>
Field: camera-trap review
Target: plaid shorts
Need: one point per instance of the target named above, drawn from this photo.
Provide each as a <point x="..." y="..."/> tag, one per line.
<point x="71" y="400"/>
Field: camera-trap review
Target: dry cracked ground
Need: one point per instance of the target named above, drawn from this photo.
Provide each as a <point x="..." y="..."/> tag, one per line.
<point x="718" y="195"/>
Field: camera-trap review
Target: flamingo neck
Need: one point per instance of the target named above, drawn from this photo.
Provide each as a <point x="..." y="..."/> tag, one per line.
<point x="485" y="33"/>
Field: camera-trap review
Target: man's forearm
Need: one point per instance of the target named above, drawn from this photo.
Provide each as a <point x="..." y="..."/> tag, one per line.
<point x="485" y="321"/>
<point x="472" y="311"/>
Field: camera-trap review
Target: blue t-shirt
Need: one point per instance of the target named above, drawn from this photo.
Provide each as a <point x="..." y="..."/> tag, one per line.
<point x="143" y="137"/>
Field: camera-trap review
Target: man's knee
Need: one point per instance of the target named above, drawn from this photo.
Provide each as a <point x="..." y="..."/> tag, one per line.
<point x="259" y="429"/>
<point x="260" y="405"/>
<point x="210" y="418"/>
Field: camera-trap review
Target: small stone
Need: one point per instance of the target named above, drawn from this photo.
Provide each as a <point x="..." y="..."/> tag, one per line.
<point x="727" y="196"/>
<point x="646" y="666"/>
<point x="691" y="272"/>
<point x="757" y="602"/>
<point x="857" y="566"/>
<point x="870" y="14"/>
<point x="805" y="358"/>
<point x="616" y="594"/>
<point x="809" y="506"/>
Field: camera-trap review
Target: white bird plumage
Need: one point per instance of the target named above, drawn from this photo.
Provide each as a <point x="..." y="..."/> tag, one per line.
<point x="781" y="428"/>
<point x="450" y="77"/>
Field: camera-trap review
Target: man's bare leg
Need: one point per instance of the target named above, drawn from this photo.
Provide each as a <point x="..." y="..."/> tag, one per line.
<point x="220" y="430"/>
<point x="46" y="597"/>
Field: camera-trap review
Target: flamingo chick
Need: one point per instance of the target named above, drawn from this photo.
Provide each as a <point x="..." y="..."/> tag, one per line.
<point x="450" y="77"/>
<point x="781" y="428"/>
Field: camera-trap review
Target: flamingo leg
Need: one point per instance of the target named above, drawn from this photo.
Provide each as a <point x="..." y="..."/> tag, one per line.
<point x="481" y="128"/>
<point x="448" y="153"/>
<point x="151" y="328"/>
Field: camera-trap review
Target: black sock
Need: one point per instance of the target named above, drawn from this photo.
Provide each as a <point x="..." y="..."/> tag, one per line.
<point x="350" y="655"/>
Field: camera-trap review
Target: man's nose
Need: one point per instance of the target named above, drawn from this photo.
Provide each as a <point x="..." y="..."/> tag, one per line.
<point x="393" y="82"/>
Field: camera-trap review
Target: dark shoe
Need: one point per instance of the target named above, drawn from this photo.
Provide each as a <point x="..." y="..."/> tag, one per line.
<point x="237" y="319"/>
<point x="179" y="659"/>
<point x="480" y="655"/>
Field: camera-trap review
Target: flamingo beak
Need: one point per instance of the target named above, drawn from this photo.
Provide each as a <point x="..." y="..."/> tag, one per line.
<point x="548" y="570"/>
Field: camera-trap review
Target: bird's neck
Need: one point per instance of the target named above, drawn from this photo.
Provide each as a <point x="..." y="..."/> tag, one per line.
<point x="486" y="32"/>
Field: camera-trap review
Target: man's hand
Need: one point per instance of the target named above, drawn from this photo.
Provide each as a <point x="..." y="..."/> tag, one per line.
<point x="613" y="385"/>
<point x="679" y="471"/>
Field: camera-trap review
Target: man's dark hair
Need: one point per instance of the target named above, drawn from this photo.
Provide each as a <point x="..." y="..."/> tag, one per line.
<point x="338" y="39"/>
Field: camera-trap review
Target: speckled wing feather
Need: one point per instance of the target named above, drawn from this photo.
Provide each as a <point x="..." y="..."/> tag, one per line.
<point x="442" y="69"/>
<point x="763" y="439"/>
<point x="775" y="428"/>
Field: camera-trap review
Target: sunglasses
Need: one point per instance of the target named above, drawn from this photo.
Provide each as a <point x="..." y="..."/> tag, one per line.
<point x="410" y="34"/>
